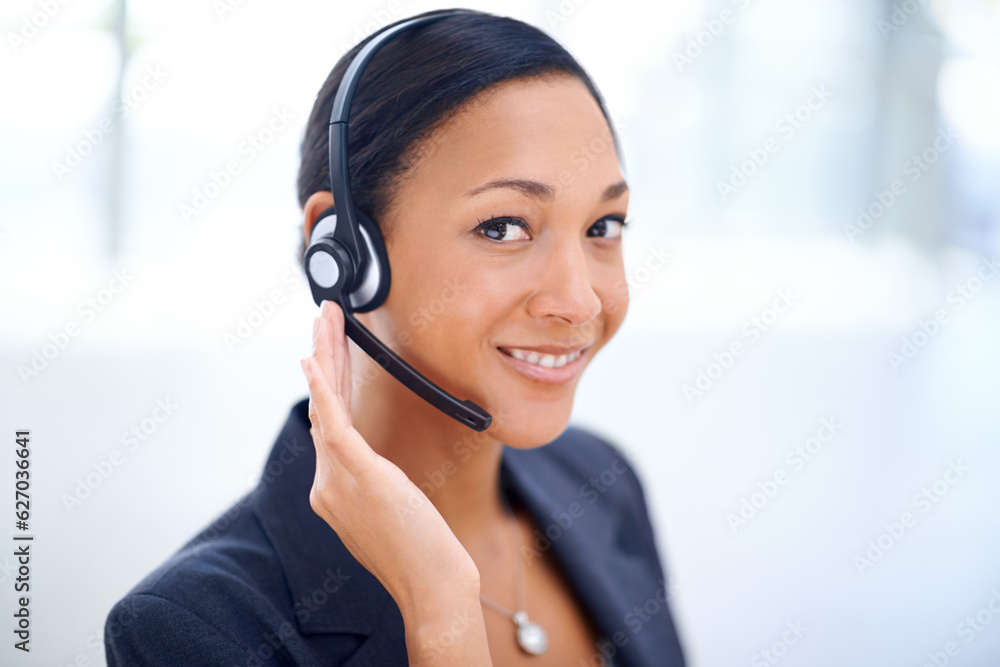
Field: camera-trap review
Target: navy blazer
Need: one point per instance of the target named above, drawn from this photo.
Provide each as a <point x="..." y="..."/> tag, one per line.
<point x="270" y="583"/>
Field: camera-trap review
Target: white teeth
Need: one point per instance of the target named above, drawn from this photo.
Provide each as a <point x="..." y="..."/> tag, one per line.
<point x="545" y="360"/>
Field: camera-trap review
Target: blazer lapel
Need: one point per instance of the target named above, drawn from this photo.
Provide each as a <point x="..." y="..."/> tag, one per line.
<point x="618" y="588"/>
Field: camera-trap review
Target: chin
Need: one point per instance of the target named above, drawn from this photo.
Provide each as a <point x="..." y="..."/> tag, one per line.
<point x="530" y="426"/>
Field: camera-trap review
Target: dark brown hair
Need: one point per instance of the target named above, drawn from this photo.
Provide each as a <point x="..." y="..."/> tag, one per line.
<point x="415" y="83"/>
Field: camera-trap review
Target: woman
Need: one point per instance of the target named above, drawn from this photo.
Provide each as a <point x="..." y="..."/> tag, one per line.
<point x="384" y="531"/>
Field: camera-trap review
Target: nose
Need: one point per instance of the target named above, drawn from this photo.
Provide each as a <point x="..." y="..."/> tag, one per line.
<point x="563" y="285"/>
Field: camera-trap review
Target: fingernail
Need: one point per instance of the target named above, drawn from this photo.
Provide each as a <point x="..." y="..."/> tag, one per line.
<point x="305" y="369"/>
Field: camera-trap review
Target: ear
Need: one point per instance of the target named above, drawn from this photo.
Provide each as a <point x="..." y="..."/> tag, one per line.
<point x="316" y="204"/>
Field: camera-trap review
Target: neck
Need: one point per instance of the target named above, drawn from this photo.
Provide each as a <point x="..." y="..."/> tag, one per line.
<point x="457" y="468"/>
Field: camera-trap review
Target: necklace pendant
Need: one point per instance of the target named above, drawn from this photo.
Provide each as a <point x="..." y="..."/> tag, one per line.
<point x="530" y="636"/>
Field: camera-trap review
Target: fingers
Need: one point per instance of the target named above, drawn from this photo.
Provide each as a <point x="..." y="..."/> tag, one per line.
<point x="331" y="350"/>
<point x="328" y="374"/>
<point x="326" y="412"/>
<point x="341" y="352"/>
<point x="325" y="336"/>
<point x="336" y="439"/>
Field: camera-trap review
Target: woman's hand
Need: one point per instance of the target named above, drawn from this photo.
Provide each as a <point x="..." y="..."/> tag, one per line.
<point x="386" y="522"/>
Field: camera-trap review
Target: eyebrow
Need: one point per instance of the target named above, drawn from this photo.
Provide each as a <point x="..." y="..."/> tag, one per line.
<point x="538" y="190"/>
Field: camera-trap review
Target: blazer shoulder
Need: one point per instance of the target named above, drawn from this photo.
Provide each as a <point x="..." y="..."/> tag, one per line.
<point x="226" y="589"/>
<point x="238" y="559"/>
<point x="143" y="628"/>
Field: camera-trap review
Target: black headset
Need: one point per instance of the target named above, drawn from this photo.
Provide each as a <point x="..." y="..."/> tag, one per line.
<point x="346" y="259"/>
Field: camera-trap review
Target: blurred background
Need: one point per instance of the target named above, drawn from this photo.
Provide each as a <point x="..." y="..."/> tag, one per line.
<point x="811" y="352"/>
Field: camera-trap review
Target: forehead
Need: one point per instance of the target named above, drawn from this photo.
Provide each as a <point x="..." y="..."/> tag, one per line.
<point x="534" y="128"/>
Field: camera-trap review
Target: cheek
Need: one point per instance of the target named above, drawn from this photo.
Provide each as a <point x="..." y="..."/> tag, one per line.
<point x="612" y="289"/>
<point x="615" y="303"/>
<point x="452" y="312"/>
<point x="471" y="307"/>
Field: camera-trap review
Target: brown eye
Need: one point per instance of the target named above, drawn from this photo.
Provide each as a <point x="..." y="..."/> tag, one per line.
<point x="609" y="227"/>
<point x="503" y="229"/>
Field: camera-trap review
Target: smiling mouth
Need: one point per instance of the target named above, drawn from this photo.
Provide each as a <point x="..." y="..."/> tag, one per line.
<point x="541" y="359"/>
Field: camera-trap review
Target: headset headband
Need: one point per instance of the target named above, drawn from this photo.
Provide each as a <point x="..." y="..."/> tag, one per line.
<point x="340" y="173"/>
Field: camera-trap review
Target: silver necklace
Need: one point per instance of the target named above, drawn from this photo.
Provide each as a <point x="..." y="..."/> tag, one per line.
<point x="531" y="637"/>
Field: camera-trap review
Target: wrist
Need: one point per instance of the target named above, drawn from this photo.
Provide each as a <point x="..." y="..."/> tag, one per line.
<point x="450" y="630"/>
<point x="428" y="603"/>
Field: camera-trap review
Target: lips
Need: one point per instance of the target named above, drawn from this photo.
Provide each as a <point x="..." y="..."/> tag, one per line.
<point x="547" y="364"/>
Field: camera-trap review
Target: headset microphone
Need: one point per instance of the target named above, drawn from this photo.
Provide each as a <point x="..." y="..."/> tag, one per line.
<point x="346" y="260"/>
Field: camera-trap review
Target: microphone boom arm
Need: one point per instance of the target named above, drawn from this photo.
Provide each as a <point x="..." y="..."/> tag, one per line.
<point x="466" y="412"/>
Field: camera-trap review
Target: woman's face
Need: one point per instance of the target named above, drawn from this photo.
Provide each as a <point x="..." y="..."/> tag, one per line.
<point x="504" y="242"/>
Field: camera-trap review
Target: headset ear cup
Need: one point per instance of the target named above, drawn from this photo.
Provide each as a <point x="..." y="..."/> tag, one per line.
<point x="321" y="225"/>
<point x="327" y="266"/>
<point x="376" y="294"/>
